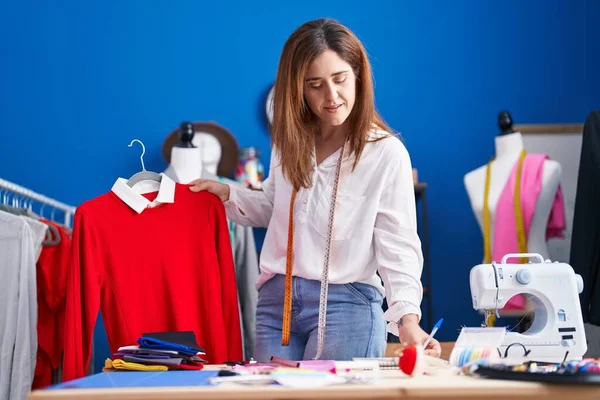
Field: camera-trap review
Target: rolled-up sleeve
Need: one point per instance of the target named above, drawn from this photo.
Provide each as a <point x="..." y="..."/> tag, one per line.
<point x="397" y="244"/>
<point x="249" y="207"/>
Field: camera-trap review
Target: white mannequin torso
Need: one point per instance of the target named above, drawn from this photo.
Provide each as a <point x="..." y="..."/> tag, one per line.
<point x="189" y="163"/>
<point x="508" y="150"/>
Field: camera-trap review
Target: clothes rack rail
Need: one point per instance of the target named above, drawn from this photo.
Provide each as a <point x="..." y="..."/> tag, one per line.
<point x="68" y="210"/>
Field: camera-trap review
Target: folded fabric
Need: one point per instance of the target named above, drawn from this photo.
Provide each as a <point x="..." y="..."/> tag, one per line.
<point x="152" y="343"/>
<point x="129" y="366"/>
<point x="194" y="367"/>
<point x="184" y="338"/>
<point x="138" y="349"/>
<point x="170" y="362"/>
<point x="198" y="360"/>
<point x="144" y="356"/>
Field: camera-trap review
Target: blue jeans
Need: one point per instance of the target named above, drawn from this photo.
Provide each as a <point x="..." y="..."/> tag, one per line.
<point x="355" y="326"/>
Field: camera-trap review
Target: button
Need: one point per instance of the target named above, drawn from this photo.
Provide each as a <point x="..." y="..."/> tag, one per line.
<point x="523" y="276"/>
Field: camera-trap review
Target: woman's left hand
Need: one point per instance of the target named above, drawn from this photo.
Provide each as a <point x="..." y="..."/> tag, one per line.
<point x="411" y="333"/>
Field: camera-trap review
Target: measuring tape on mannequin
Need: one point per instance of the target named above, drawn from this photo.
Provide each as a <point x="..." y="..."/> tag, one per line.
<point x="487" y="237"/>
<point x="287" y="299"/>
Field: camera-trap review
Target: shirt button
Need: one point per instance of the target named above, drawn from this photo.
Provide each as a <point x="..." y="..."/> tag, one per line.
<point x="305" y="201"/>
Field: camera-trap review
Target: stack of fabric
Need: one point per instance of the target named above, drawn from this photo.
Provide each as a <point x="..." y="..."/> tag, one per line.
<point x="153" y="354"/>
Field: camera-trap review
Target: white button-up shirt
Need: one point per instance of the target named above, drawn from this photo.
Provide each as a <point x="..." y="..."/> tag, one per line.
<point x="374" y="230"/>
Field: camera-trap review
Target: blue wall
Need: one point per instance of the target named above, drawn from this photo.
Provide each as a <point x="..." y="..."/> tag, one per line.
<point x="79" y="80"/>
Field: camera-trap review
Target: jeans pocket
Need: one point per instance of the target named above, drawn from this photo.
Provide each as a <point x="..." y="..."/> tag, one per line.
<point x="361" y="291"/>
<point x="271" y="290"/>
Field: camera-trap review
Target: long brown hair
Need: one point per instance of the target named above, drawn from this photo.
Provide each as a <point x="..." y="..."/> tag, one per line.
<point x="294" y="125"/>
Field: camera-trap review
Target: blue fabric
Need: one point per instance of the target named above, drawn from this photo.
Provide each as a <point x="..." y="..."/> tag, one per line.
<point x="125" y="379"/>
<point x="152" y="343"/>
<point x="355" y="325"/>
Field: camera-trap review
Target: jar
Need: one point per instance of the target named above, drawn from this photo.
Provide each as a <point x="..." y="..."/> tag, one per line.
<point x="250" y="170"/>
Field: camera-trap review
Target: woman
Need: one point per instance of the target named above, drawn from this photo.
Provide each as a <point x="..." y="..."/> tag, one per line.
<point x="339" y="207"/>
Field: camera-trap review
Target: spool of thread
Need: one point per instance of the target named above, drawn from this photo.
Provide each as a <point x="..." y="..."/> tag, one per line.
<point x="461" y="356"/>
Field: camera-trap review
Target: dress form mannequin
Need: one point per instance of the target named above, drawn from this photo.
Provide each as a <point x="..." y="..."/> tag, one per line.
<point x="186" y="158"/>
<point x="211" y="151"/>
<point x="195" y="156"/>
<point x="509" y="145"/>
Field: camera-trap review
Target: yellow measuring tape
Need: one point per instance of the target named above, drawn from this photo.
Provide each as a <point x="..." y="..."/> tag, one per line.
<point x="521" y="237"/>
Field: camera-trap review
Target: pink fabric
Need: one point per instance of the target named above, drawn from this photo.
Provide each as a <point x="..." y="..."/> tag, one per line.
<point x="505" y="227"/>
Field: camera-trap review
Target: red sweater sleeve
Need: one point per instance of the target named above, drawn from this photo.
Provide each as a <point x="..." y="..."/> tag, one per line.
<point x="82" y="299"/>
<point x="231" y="316"/>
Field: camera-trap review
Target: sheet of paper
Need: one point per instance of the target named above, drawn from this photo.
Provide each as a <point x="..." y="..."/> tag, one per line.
<point x="304" y="380"/>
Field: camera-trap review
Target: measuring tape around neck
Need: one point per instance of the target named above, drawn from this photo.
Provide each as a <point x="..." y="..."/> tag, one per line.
<point x="287" y="300"/>
<point x="521" y="237"/>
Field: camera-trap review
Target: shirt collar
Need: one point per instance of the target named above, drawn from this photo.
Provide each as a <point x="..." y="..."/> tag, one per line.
<point x="131" y="197"/>
<point x="170" y="172"/>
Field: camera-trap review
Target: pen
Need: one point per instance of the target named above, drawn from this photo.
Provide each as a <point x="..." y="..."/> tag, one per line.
<point x="433" y="331"/>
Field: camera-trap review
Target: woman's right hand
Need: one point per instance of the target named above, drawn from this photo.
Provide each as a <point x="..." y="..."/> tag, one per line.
<point x="217" y="188"/>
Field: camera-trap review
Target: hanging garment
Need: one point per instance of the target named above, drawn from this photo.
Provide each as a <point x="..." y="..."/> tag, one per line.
<point x="156" y="262"/>
<point x="39" y="232"/>
<point x="246" y="269"/>
<point x="18" y="309"/>
<point x="514" y="213"/>
<point x="247" y="272"/>
<point x="585" y="239"/>
<point x="51" y="291"/>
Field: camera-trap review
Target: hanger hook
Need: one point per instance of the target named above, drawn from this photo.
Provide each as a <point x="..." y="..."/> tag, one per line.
<point x="143" y="151"/>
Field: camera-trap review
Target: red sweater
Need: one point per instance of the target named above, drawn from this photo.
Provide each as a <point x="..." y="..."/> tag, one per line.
<point x="51" y="290"/>
<point x="169" y="268"/>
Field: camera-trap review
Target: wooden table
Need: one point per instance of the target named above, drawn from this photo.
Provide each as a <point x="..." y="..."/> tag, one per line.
<point x="429" y="388"/>
<point x="394" y="385"/>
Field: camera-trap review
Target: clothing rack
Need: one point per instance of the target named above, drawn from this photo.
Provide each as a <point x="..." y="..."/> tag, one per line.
<point x="68" y="210"/>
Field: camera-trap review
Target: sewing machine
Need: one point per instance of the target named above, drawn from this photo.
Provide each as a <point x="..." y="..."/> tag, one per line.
<point x="557" y="333"/>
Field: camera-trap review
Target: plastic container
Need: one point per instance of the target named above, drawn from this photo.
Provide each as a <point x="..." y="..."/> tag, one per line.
<point x="250" y="170"/>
